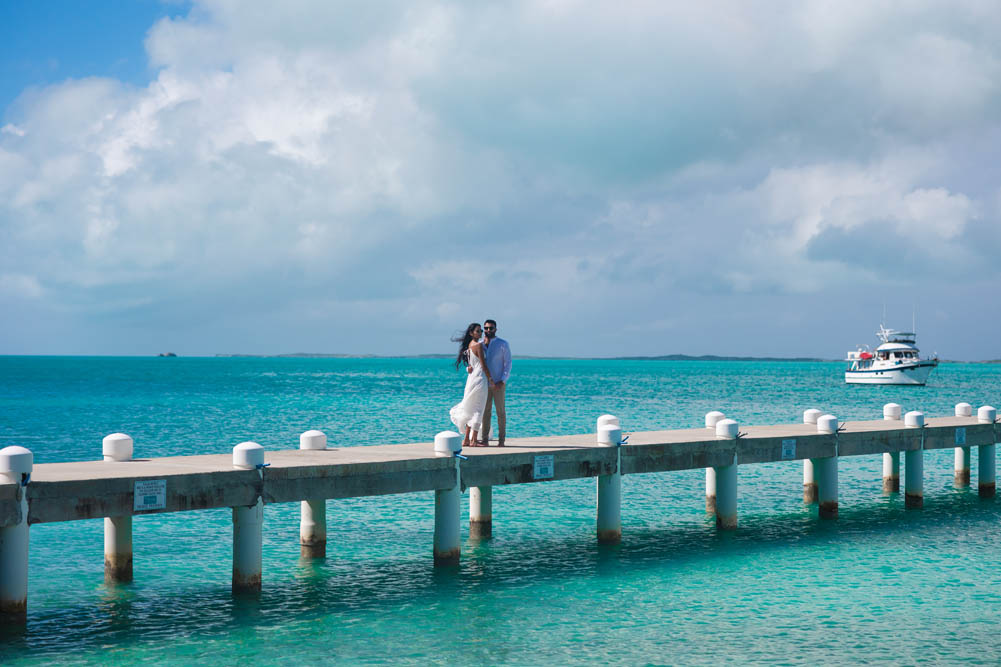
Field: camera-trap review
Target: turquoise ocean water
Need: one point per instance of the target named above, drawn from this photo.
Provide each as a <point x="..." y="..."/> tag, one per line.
<point x="880" y="584"/>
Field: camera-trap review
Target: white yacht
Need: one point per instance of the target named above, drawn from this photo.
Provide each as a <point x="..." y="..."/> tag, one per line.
<point x="895" y="361"/>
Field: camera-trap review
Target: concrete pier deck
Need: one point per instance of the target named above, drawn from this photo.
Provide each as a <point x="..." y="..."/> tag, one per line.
<point x="88" y="490"/>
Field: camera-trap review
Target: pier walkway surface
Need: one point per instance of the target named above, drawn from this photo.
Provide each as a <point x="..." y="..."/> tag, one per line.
<point x="121" y="487"/>
<point x="94" y="489"/>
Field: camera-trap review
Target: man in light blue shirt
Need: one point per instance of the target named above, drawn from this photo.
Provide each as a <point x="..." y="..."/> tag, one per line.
<point x="498" y="355"/>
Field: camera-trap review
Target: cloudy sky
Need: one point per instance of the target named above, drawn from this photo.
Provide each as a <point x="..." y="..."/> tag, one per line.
<point x="744" y="178"/>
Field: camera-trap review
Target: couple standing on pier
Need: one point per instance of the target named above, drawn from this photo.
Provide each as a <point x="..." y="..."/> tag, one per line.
<point x="488" y="365"/>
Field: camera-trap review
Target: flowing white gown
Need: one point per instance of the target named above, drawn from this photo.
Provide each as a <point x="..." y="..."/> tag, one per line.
<point x="470" y="411"/>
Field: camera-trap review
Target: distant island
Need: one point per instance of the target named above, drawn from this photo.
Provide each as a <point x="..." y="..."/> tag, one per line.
<point x="665" y="357"/>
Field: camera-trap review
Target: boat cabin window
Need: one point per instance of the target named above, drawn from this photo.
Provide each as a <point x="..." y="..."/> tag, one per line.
<point x="882" y="355"/>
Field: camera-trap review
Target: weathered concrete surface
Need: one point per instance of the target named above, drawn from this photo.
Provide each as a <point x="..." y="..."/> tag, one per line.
<point x="573" y="457"/>
<point x="355" y="471"/>
<point x="687" y="449"/>
<point x="93" y="489"/>
<point x="10" y="504"/>
<point x="941" y="432"/>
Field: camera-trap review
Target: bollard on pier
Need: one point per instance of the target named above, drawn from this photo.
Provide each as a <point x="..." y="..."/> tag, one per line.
<point x="117" y="529"/>
<point x="447" y="506"/>
<point x="986" y="464"/>
<point x="891" y="460"/>
<point x="313" y="512"/>
<point x="15" y="468"/>
<point x="827" y="472"/>
<point x="914" y="465"/>
<point x="961" y="477"/>
<point x="247" y="524"/>
<point x="712" y="418"/>
<point x="609" y="519"/>
<point x="726" y="480"/>
<point x="809" y="474"/>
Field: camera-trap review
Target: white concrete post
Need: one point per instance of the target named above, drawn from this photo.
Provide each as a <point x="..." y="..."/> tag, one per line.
<point x="712" y="418"/>
<point x="891" y="460"/>
<point x="481" y="501"/>
<point x="811" y="416"/>
<point x="914" y="465"/>
<point x="247" y="524"/>
<point x="986" y="463"/>
<point x="710" y="490"/>
<point x="609" y="519"/>
<point x="117" y="529"/>
<point x="962" y="461"/>
<point x="481" y="511"/>
<point x="961" y="478"/>
<point x="809" y="482"/>
<point x="607" y="420"/>
<point x="809" y="476"/>
<point x="313" y="512"/>
<point x="15" y="468"/>
<point x="447" y="505"/>
<point x="726" y="480"/>
<point x="827" y="473"/>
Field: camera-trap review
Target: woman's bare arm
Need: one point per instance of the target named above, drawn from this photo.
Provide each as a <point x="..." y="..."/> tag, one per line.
<point x="478" y="351"/>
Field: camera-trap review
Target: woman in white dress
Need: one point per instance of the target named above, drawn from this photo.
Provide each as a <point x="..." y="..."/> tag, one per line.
<point x="468" y="415"/>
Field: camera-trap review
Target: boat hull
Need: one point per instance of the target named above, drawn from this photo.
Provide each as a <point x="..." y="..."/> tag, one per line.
<point x="916" y="374"/>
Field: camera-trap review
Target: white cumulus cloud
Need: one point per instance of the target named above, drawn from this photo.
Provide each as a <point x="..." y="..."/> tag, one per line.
<point x="353" y="165"/>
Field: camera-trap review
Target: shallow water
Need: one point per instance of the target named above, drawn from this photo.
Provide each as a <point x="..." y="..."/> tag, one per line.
<point x="880" y="584"/>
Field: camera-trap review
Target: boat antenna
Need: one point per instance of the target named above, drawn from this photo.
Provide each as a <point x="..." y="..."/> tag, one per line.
<point x="914" y="318"/>
<point x="882" y="322"/>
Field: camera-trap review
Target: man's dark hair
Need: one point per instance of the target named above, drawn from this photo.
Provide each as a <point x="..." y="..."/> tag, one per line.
<point x="493" y="322"/>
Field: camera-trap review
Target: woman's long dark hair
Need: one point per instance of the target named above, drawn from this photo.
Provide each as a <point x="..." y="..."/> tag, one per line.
<point x="465" y="339"/>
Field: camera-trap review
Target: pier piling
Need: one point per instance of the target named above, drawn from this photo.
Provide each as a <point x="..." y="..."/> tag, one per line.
<point x="809" y="482"/>
<point x="609" y="488"/>
<point x="712" y="418"/>
<point x="108" y="490"/>
<point x="826" y="469"/>
<point x="480" y="511"/>
<point x="247" y="524"/>
<point x="15" y="468"/>
<point x="447" y="506"/>
<point x="313" y="513"/>
<point x="891" y="460"/>
<point x="986" y="463"/>
<point x="710" y="490"/>
<point x="726" y="480"/>
<point x="914" y="465"/>
<point x="961" y="478"/>
<point x="809" y="474"/>
<point x="117" y="529"/>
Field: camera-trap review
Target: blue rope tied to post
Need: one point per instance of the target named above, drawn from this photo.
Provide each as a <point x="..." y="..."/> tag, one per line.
<point x="460" y="456"/>
<point x="262" y="465"/>
<point x="25" y="478"/>
<point x="624" y="440"/>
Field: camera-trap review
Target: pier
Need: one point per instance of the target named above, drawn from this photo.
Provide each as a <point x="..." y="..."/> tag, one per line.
<point x="121" y="487"/>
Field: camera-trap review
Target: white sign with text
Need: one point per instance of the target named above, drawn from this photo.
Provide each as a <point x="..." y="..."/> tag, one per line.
<point x="543" y="468"/>
<point x="150" y="494"/>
